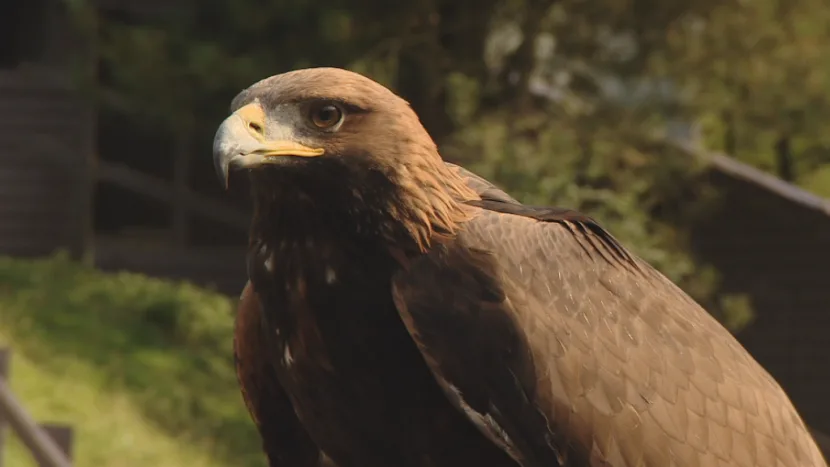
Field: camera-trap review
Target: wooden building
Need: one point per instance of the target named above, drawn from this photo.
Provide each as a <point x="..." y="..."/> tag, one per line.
<point x="71" y="178"/>
<point x="45" y="133"/>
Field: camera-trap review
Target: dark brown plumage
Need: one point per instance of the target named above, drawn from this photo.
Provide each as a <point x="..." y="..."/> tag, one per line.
<point x="404" y="312"/>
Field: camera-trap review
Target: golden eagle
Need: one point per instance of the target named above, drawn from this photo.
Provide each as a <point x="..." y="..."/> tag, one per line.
<point x="403" y="312"/>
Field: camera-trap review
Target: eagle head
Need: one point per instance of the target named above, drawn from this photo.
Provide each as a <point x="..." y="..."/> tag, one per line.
<point x="327" y="143"/>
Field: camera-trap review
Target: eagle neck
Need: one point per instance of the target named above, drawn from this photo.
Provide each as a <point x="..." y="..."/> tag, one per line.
<point x="311" y="268"/>
<point x="357" y="206"/>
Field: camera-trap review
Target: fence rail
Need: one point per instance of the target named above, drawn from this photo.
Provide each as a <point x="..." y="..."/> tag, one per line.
<point x="50" y="444"/>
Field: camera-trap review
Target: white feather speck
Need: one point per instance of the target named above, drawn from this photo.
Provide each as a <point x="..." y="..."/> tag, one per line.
<point x="287" y="358"/>
<point x="331" y="276"/>
<point x="486" y="424"/>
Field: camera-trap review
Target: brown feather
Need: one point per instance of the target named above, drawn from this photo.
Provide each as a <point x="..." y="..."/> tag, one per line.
<point x="285" y="441"/>
<point x="625" y="369"/>
<point x="353" y="373"/>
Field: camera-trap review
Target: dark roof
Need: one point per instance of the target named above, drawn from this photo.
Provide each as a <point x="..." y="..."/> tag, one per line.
<point x="734" y="168"/>
<point x="823" y="441"/>
<point x="769" y="182"/>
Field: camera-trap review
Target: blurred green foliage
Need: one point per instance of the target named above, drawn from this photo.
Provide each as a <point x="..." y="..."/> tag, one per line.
<point x="757" y="76"/>
<point x="128" y="369"/>
<point x="564" y="102"/>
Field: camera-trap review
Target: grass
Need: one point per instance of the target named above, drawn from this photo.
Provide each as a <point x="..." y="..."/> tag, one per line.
<point x="141" y="368"/>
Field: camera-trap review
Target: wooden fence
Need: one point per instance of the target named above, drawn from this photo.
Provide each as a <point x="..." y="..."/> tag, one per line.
<point x="50" y="444"/>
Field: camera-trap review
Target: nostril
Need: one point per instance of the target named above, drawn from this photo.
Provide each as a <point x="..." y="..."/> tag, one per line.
<point x="255" y="127"/>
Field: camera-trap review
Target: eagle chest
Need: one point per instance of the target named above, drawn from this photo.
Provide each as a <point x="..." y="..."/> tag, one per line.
<point x="325" y="315"/>
<point x="346" y="360"/>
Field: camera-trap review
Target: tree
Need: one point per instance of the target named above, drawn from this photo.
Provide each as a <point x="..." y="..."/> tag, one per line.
<point x="559" y="101"/>
<point x="756" y="75"/>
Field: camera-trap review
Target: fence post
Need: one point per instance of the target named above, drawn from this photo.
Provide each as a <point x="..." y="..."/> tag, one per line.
<point x="33" y="437"/>
<point x="62" y="435"/>
<point x="4" y="375"/>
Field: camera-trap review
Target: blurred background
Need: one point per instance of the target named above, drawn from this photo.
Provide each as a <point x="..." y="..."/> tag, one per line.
<point x="696" y="132"/>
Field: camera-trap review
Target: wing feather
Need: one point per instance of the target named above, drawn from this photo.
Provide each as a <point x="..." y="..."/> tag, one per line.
<point x="484" y="188"/>
<point x="285" y="441"/>
<point x="582" y="354"/>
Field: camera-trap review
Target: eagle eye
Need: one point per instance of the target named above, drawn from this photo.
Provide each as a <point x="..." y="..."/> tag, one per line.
<point x="326" y="115"/>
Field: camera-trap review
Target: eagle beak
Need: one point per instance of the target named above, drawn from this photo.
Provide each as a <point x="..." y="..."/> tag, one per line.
<point x="241" y="143"/>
